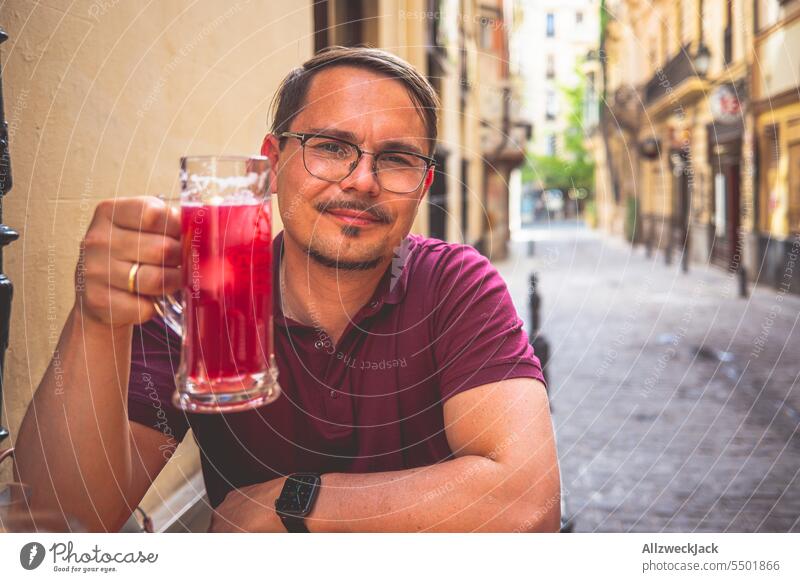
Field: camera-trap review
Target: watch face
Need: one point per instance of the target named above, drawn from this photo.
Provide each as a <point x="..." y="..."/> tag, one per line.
<point x="297" y="494"/>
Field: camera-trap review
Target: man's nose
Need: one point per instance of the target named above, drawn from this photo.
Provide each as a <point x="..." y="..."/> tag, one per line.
<point x="362" y="179"/>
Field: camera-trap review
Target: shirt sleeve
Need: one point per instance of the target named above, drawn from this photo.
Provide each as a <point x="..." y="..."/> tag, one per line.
<point x="155" y="355"/>
<point x="478" y="336"/>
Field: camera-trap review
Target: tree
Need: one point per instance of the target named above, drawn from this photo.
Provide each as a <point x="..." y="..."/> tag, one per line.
<point x="575" y="168"/>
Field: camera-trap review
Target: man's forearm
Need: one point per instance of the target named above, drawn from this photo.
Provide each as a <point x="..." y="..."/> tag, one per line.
<point x="505" y="479"/>
<point x="74" y="442"/>
<point x="469" y="493"/>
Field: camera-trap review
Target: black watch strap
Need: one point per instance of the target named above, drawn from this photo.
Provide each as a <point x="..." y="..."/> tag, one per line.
<point x="293" y="523"/>
<point x="297" y="499"/>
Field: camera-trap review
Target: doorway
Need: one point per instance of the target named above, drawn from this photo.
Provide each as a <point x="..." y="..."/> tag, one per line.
<point x="725" y="250"/>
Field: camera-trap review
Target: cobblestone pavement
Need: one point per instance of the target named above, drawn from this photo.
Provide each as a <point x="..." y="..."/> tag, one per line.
<point x="675" y="402"/>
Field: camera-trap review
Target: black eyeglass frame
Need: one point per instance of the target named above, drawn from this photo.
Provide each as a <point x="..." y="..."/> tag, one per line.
<point x="304" y="137"/>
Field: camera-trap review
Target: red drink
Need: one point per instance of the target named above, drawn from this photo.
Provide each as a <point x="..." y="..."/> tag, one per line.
<point x="224" y="314"/>
<point x="227" y="280"/>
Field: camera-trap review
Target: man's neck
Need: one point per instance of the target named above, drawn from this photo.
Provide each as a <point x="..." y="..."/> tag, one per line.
<point x="320" y="296"/>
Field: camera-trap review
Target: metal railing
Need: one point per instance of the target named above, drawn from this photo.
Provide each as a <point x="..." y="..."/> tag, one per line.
<point x="7" y="236"/>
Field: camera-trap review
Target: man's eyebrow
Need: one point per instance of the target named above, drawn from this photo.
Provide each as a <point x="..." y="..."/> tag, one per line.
<point x="332" y="132"/>
<point x="391" y="144"/>
<point x="394" y="144"/>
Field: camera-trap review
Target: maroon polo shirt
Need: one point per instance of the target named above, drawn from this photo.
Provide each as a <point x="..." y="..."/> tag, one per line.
<point x="440" y="322"/>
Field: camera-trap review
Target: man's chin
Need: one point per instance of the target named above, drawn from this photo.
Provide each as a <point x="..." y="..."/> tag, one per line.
<point x="345" y="253"/>
<point x="343" y="262"/>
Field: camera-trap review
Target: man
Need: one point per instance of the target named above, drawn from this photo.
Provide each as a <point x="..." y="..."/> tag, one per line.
<point x="410" y="393"/>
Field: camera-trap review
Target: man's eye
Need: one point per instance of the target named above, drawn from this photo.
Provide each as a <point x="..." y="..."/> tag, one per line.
<point x="331" y="147"/>
<point x="399" y="160"/>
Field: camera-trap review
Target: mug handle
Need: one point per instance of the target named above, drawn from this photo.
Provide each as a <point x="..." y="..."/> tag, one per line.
<point x="169" y="307"/>
<point x="171" y="311"/>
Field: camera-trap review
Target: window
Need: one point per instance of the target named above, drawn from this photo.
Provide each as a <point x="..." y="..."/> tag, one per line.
<point x="551" y="66"/>
<point x="465" y="200"/>
<point x="551" y="144"/>
<point x="551" y="105"/>
<point x="727" y="34"/>
<point x="578" y="17"/>
<point x="770" y="156"/>
<point x="551" y="24"/>
<point x="349" y="23"/>
<point x="773" y="153"/>
<point x="794" y="187"/>
<point x="487" y="30"/>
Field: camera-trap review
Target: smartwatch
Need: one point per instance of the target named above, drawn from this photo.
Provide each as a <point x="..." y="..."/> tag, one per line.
<point x="297" y="499"/>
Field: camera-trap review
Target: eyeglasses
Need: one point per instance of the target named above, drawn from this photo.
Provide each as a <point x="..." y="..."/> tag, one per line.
<point x="333" y="159"/>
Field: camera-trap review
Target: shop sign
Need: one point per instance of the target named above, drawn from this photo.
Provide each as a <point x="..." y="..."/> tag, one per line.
<point x="725" y="104"/>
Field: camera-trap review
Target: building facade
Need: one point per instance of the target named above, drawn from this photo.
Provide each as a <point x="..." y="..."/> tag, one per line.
<point x="504" y="129"/>
<point x="694" y="149"/>
<point x="775" y="241"/>
<point x="555" y="38"/>
<point x="464" y="47"/>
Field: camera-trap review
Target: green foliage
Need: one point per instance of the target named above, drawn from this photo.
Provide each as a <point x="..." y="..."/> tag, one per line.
<point x="631" y="220"/>
<point x="575" y="169"/>
<point x="559" y="173"/>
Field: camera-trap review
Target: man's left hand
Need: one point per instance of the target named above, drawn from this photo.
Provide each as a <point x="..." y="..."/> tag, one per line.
<point x="249" y="509"/>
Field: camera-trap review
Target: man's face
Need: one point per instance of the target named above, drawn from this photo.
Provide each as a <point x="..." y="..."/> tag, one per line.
<point x="354" y="223"/>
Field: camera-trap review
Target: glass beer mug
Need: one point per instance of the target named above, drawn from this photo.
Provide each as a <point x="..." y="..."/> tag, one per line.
<point x="224" y="309"/>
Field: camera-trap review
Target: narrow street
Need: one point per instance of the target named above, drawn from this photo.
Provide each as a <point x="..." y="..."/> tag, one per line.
<point x="676" y="403"/>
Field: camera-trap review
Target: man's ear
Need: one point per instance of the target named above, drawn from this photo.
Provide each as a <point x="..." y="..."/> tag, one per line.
<point x="426" y="186"/>
<point x="429" y="178"/>
<point x="270" y="148"/>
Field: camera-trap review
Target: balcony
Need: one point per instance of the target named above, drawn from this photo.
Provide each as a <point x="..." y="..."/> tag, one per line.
<point x="678" y="82"/>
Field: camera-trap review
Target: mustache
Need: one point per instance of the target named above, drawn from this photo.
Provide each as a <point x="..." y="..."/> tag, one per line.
<point x="374" y="212"/>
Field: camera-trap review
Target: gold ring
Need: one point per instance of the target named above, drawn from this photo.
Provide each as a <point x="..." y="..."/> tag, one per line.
<point x="132" y="277"/>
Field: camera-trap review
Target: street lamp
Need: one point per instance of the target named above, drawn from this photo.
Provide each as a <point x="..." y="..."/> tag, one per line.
<point x="702" y="56"/>
<point x="702" y="59"/>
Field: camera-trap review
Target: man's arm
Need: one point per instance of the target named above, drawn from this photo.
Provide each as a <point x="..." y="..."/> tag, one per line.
<point x="505" y="477"/>
<point x="76" y="447"/>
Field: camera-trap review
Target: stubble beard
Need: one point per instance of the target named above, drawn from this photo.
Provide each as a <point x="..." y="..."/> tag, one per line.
<point x="332" y="259"/>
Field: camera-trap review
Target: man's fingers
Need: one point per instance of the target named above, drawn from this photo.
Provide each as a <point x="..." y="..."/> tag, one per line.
<point x="144" y="213"/>
<point x="146" y="248"/>
<point x="144" y="232"/>
<point x="149" y="279"/>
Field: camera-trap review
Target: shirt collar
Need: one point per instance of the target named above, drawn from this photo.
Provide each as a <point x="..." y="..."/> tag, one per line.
<point x="397" y="275"/>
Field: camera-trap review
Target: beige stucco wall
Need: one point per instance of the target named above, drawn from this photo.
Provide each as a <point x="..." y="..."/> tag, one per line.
<point x="102" y="98"/>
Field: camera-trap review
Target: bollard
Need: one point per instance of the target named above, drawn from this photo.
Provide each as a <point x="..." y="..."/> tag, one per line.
<point x="530" y="248"/>
<point x="742" y="272"/>
<point x="540" y="345"/>
<point x="541" y="348"/>
<point x="533" y="295"/>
